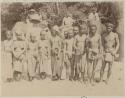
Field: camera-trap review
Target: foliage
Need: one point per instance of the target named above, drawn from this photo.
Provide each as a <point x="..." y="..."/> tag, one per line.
<point x="13" y="12"/>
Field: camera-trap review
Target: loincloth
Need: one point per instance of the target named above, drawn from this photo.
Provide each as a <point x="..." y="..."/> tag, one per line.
<point x="108" y="57"/>
<point x="92" y="55"/>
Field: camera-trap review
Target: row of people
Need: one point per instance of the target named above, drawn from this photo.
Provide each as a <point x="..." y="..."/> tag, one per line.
<point x="78" y="52"/>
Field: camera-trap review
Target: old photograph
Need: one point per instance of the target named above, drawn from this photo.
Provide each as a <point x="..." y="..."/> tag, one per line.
<point x="62" y="48"/>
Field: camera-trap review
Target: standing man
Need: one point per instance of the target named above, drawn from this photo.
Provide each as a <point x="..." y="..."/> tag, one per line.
<point x="80" y="53"/>
<point x="111" y="46"/>
<point x="94" y="48"/>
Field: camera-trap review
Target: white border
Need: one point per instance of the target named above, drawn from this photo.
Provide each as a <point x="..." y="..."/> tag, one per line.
<point x="65" y="1"/>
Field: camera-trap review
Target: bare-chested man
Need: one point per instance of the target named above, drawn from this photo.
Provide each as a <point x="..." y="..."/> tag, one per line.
<point x="80" y="54"/>
<point x="93" y="48"/>
<point x="111" y="46"/>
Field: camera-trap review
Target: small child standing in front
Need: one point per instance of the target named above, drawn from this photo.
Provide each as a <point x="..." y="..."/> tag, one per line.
<point x="8" y="57"/>
<point x="32" y="56"/>
<point x="19" y="55"/>
<point x="44" y="56"/>
<point x="68" y="51"/>
<point x="56" y="45"/>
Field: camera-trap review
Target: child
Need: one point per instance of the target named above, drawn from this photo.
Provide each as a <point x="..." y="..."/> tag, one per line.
<point x="75" y="30"/>
<point x="32" y="56"/>
<point x="93" y="16"/>
<point x="95" y="19"/>
<point x="19" y="55"/>
<point x="80" y="56"/>
<point x="111" y="46"/>
<point x="55" y="54"/>
<point x="44" y="55"/>
<point x="94" y="47"/>
<point x="8" y="56"/>
<point x="68" y="20"/>
<point x="68" y="51"/>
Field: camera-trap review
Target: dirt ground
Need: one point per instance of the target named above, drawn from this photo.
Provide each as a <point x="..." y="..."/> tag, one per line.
<point x="46" y="87"/>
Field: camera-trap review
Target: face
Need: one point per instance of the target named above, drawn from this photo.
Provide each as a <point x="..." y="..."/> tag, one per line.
<point x="83" y="29"/>
<point x="94" y="10"/>
<point x="42" y="35"/>
<point x="33" y="38"/>
<point x="70" y="34"/>
<point x="65" y="34"/>
<point x="8" y="35"/>
<point x="66" y="15"/>
<point x="109" y="29"/>
<point x="54" y="32"/>
<point x="19" y="35"/>
<point x="44" y="17"/>
<point x="76" y="30"/>
<point x="93" y="29"/>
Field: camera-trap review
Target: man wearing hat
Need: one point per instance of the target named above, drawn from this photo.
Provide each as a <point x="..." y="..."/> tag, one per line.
<point x="111" y="46"/>
<point x="23" y="25"/>
<point x="33" y="25"/>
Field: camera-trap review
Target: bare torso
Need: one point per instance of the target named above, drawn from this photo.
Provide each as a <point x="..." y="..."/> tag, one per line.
<point x="94" y="42"/>
<point x="33" y="48"/>
<point x="80" y="43"/>
<point x="110" y="42"/>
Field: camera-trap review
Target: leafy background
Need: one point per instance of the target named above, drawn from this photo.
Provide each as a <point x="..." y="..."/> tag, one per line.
<point x="108" y="11"/>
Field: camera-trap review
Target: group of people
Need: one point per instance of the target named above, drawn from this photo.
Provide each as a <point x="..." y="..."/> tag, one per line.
<point x="71" y="51"/>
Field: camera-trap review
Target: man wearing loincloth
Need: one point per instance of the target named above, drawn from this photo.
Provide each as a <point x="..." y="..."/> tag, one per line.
<point x="111" y="46"/>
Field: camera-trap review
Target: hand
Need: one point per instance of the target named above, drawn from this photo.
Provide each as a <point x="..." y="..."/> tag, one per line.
<point x="70" y="56"/>
<point x="113" y="52"/>
<point x="83" y="52"/>
<point x="90" y="49"/>
<point x="21" y="57"/>
<point x="116" y="55"/>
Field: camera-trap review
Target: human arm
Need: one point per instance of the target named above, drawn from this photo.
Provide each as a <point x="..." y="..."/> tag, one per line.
<point x="117" y="43"/>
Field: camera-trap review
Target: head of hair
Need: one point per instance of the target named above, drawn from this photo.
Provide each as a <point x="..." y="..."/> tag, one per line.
<point x="109" y="24"/>
<point x="76" y="25"/>
<point x="92" y="25"/>
<point x="83" y="24"/>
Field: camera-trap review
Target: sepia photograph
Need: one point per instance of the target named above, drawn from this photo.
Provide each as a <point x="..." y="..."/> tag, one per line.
<point x="62" y="48"/>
